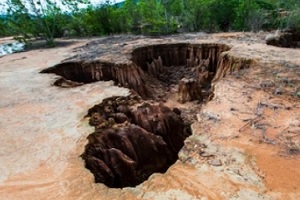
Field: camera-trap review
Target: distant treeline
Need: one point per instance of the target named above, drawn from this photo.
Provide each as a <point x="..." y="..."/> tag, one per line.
<point x="152" y="17"/>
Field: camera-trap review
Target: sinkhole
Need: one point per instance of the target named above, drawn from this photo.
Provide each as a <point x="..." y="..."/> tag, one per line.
<point x="141" y="134"/>
<point x="133" y="139"/>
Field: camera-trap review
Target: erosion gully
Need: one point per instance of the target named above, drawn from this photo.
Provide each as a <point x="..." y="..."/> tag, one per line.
<point x="141" y="134"/>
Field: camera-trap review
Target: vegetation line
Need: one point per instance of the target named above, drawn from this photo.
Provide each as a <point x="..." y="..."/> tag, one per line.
<point x="49" y="19"/>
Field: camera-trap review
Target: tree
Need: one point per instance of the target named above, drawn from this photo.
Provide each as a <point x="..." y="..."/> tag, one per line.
<point x="37" y="18"/>
<point x="153" y="16"/>
<point x="224" y="13"/>
<point x="49" y="19"/>
<point x="4" y="30"/>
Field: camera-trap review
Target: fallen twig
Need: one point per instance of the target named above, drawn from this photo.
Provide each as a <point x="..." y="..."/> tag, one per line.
<point x="251" y="121"/>
<point x="266" y="139"/>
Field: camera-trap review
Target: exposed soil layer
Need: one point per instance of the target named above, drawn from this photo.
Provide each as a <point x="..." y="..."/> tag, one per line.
<point x="77" y="73"/>
<point x="187" y="69"/>
<point x="135" y="138"/>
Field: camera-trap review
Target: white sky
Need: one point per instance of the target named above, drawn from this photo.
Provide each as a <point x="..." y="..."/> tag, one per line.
<point x="3" y="7"/>
<point x="102" y="1"/>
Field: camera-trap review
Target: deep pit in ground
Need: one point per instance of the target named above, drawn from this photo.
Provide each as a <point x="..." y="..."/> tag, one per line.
<point x="141" y="134"/>
<point x="133" y="139"/>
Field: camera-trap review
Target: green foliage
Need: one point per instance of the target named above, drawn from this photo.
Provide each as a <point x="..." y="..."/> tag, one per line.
<point x="223" y="13"/>
<point x="255" y="14"/>
<point x="152" y="20"/>
<point x="293" y="20"/>
<point x="96" y="21"/>
<point x="37" y="18"/>
<point x="208" y="15"/>
<point x="132" y="15"/>
<point x="191" y="16"/>
<point x="2" y="27"/>
<point x="32" y="18"/>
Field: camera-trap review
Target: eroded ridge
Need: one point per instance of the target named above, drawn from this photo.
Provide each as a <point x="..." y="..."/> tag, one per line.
<point x="132" y="140"/>
<point x="76" y="73"/>
<point x="158" y="71"/>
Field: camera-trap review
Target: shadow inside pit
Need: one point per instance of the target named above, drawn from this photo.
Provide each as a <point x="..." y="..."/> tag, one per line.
<point x="132" y="140"/>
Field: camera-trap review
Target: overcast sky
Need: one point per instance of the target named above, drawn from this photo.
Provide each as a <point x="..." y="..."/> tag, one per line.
<point x="102" y="1"/>
<point x="3" y="8"/>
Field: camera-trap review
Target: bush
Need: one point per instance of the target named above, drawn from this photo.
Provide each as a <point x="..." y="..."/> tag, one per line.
<point x="255" y="20"/>
<point x="293" y="20"/>
<point x="37" y="18"/>
<point x="149" y="17"/>
<point x="4" y="31"/>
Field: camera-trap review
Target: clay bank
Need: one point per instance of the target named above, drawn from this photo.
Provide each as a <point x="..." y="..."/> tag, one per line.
<point x="130" y="117"/>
